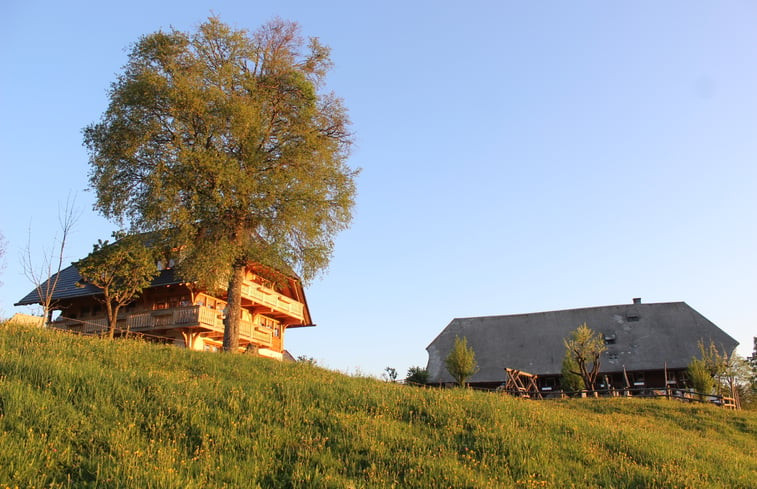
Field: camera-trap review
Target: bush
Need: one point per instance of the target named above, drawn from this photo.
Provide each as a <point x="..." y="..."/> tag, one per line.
<point x="570" y="380"/>
<point x="700" y="376"/>
<point x="417" y="375"/>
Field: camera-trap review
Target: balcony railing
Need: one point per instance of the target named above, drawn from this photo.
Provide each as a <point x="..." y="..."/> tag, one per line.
<point x="270" y="298"/>
<point x="178" y="317"/>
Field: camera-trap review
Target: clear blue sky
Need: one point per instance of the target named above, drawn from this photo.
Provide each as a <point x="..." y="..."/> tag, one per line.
<point x="516" y="157"/>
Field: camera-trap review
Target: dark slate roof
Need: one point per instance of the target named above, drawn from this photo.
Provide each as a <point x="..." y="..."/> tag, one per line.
<point x="66" y="287"/>
<point x="644" y="337"/>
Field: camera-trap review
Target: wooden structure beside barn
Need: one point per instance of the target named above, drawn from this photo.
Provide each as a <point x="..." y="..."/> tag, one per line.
<point x="521" y="384"/>
<point x="171" y="310"/>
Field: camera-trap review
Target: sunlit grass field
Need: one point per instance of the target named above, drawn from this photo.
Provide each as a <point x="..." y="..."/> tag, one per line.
<point x="84" y="413"/>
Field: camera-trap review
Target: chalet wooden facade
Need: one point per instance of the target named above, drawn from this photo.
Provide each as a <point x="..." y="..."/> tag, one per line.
<point x="649" y="346"/>
<point x="172" y="311"/>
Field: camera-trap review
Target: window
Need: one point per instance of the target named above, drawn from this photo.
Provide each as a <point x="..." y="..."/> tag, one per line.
<point x="268" y="323"/>
<point x="632" y="318"/>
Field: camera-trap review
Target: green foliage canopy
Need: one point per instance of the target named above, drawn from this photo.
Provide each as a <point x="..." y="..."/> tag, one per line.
<point x="700" y="377"/>
<point x="586" y="347"/>
<point x="121" y="269"/>
<point x="417" y="375"/>
<point x="571" y="379"/>
<point x="461" y="361"/>
<point x="390" y="374"/>
<point x="223" y="139"/>
<point x="730" y="374"/>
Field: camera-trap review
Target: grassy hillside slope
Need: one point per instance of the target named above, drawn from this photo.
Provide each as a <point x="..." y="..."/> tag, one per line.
<point x="81" y="412"/>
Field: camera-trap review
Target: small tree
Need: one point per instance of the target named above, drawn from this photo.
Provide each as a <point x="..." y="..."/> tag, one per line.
<point x="461" y="361"/>
<point x="571" y="379"/>
<point x="122" y="270"/>
<point x="45" y="272"/>
<point x="307" y="360"/>
<point x="417" y="375"/>
<point x="700" y="377"/>
<point x="390" y="374"/>
<point x="715" y="362"/>
<point x="586" y="347"/>
<point x="750" y="390"/>
<point x="737" y="378"/>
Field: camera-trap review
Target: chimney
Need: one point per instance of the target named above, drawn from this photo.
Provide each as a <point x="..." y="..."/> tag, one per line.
<point x="637" y="300"/>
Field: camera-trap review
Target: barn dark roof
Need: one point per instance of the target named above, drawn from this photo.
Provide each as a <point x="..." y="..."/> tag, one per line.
<point x="66" y="287"/>
<point x="639" y="336"/>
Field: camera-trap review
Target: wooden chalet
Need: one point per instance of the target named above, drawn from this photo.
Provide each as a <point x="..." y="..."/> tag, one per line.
<point x="172" y="311"/>
<point x="649" y="346"/>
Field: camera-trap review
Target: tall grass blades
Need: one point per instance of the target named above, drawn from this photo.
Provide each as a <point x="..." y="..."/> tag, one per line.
<point x="81" y="412"/>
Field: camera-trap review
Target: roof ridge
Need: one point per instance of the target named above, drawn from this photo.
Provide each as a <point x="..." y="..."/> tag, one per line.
<point x="644" y="304"/>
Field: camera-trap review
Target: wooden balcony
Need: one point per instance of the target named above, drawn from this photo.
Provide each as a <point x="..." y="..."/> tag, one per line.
<point x="196" y="317"/>
<point x="277" y="303"/>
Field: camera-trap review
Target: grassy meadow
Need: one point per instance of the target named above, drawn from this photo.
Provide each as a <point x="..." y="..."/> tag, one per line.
<point x="88" y="413"/>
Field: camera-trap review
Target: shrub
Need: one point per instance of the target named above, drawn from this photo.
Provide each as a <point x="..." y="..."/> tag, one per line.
<point x="417" y="375"/>
<point x="700" y="376"/>
<point x="571" y="381"/>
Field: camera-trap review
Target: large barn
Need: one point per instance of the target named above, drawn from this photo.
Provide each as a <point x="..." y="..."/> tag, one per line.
<point x="644" y="342"/>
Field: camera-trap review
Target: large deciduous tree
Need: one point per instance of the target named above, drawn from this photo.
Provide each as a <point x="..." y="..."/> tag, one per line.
<point x="225" y="140"/>
<point x="121" y="269"/>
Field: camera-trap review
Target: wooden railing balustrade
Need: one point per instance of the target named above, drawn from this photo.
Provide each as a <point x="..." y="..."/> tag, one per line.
<point x="188" y="316"/>
<point x="270" y="298"/>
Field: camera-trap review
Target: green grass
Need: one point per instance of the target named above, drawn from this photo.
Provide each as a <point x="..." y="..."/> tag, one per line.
<point x="85" y="413"/>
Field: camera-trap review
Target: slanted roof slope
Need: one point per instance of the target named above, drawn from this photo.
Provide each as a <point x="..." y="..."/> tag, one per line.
<point x="67" y="287"/>
<point x="641" y="337"/>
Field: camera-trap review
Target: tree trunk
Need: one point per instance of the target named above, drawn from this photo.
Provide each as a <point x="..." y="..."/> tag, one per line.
<point x="233" y="309"/>
<point x="47" y="313"/>
<point x="112" y="319"/>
